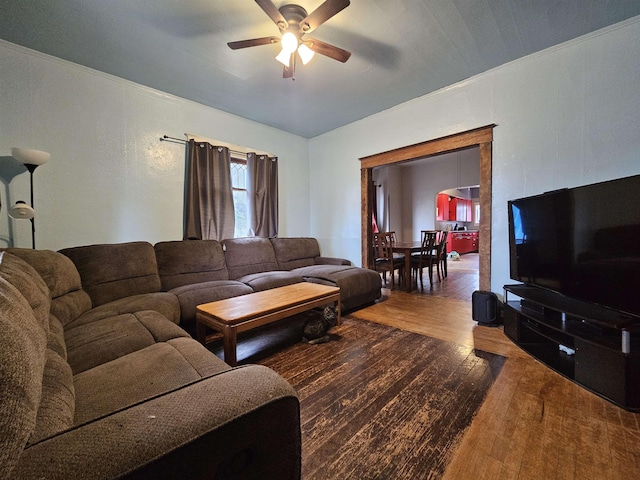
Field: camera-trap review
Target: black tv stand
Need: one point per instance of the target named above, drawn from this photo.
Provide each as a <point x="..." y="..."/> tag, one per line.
<point x="596" y="347"/>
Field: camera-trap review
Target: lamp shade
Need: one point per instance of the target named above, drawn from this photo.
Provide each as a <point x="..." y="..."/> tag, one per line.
<point x="22" y="211"/>
<point x="284" y="57"/>
<point x="306" y="54"/>
<point x="29" y="156"/>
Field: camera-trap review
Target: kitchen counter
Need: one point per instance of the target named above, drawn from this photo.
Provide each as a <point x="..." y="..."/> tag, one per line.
<point x="463" y="241"/>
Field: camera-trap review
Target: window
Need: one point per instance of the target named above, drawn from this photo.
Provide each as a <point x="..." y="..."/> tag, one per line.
<point x="476" y="213"/>
<point x="240" y="197"/>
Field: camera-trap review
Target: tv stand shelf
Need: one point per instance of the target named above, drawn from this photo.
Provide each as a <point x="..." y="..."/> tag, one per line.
<point x="596" y="347"/>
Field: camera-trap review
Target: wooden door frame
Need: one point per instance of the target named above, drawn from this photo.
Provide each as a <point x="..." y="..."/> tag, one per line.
<point x="481" y="137"/>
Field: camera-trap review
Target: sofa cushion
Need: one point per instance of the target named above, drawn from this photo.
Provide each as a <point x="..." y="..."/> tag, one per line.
<point x="101" y="341"/>
<point x="55" y="341"/>
<point x="190" y="296"/>
<point x="157" y="369"/>
<point x="162" y="302"/>
<point x="295" y="252"/>
<point x="57" y="406"/>
<point x="22" y="358"/>
<point x="113" y="271"/>
<point x="30" y="284"/>
<point x="267" y="280"/>
<point x="249" y="255"/>
<point x="68" y="300"/>
<point x="357" y="285"/>
<point x="190" y="261"/>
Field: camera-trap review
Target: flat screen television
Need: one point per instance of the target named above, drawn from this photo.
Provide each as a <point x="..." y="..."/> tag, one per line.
<point x="581" y="242"/>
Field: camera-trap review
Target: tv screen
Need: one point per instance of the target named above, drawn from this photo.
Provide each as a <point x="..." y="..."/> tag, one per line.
<point x="582" y="242"/>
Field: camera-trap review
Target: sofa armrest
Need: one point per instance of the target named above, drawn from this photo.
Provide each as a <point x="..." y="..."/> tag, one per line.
<point x="245" y="421"/>
<point x="331" y="261"/>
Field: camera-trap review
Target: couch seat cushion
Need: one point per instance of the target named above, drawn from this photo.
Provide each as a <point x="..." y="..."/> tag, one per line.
<point x="190" y="296"/>
<point x="354" y="282"/>
<point x="101" y="341"/>
<point x="268" y="280"/>
<point x="136" y="377"/>
<point x="57" y="406"/>
<point x="162" y="302"/>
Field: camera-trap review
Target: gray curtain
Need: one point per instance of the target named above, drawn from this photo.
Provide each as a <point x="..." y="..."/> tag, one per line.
<point x="209" y="213"/>
<point x="262" y="188"/>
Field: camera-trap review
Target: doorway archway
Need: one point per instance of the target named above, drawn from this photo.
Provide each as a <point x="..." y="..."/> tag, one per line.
<point x="481" y="137"/>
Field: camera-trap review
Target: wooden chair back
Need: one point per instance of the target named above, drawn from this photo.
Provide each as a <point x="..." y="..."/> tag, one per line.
<point x="428" y="250"/>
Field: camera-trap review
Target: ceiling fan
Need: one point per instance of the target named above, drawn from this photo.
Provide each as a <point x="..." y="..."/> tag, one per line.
<point x="294" y="22"/>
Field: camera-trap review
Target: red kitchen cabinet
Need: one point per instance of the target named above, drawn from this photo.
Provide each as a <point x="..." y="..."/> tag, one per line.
<point x="459" y="209"/>
<point x="462" y="242"/>
<point x="442" y="204"/>
<point x="453" y="205"/>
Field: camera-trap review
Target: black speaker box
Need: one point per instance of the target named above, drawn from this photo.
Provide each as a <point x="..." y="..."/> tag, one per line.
<point x="485" y="308"/>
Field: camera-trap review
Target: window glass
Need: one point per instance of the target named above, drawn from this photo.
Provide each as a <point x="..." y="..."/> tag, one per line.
<point x="240" y="197"/>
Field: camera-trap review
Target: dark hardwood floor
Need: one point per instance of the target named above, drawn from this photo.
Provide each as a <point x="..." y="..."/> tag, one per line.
<point x="534" y="424"/>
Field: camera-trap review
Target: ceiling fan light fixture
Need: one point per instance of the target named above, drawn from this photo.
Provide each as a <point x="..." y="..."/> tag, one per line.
<point x="284" y="57"/>
<point x="306" y="54"/>
<point x="289" y="42"/>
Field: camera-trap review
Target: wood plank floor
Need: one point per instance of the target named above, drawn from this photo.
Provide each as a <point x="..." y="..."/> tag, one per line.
<point x="534" y="423"/>
<point x="375" y="400"/>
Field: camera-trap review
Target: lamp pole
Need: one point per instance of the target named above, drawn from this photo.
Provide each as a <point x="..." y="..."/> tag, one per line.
<point x="31" y="167"/>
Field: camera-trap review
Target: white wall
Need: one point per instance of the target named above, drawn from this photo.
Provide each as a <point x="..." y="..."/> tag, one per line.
<point x="565" y="117"/>
<point x="109" y="178"/>
<point x="423" y="181"/>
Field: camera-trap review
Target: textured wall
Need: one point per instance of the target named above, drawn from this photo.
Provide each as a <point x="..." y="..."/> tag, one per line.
<point x="566" y="116"/>
<point x="109" y="178"/>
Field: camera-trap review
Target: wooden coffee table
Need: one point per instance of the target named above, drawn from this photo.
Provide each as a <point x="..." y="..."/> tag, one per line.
<point x="239" y="314"/>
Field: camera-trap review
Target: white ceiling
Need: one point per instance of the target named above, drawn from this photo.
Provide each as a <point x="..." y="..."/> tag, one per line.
<point x="401" y="49"/>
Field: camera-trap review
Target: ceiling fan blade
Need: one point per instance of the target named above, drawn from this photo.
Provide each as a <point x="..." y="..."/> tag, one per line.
<point x="289" y="71"/>
<point x="254" y="42"/>
<point x="327" y="50"/>
<point x="323" y="13"/>
<point x="274" y="14"/>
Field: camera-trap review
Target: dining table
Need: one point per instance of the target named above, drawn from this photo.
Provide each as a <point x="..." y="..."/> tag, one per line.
<point x="407" y="248"/>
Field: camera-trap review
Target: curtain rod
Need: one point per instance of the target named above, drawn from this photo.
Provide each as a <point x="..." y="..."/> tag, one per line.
<point x="167" y="138"/>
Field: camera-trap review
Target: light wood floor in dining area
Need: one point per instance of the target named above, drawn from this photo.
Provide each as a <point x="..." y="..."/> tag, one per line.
<point x="534" y="423"/>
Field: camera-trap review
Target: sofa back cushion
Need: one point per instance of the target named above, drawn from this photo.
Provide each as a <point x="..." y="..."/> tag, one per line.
<point x="31" y="285"/>
<point x="68" y="299"/>
<point x="249" y="255"/>
<point x="295" y="252"/>
<point x="186" y="262"/>
<point x="22" y="358"/>
<point x="113" y="271"/>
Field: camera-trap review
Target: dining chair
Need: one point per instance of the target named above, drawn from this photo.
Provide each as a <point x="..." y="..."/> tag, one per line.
<point x="442" y="254"/>
<point x="384" y="258"/>
<point x="427" y="257"/>
<point x="397" y="256"/>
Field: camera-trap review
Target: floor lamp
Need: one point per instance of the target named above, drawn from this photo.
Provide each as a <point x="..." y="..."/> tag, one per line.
<point x="31" y="159"/>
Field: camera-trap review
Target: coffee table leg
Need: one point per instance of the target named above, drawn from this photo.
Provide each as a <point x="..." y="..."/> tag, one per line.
<point x="230" y="341"/>
<point x="201" y="332"/>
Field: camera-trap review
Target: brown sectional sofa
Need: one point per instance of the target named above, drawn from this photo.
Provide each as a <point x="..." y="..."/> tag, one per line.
<point x="119" y="390"/>
<point x="98" y="380"/>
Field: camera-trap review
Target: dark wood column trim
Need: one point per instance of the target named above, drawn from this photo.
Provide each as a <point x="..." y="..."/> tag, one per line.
<point x="481" y="137"/>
